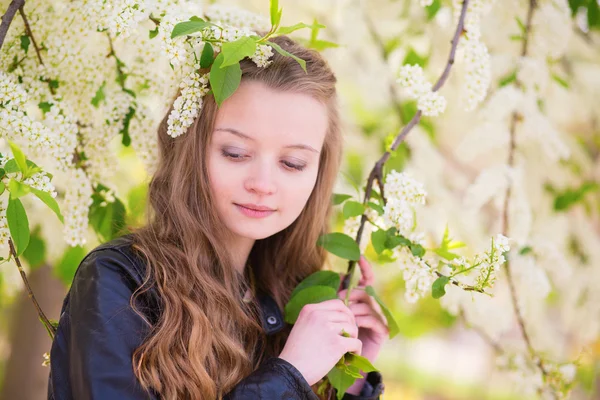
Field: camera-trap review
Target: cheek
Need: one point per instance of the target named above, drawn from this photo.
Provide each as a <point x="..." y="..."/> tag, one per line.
<point x="298" y="192"/>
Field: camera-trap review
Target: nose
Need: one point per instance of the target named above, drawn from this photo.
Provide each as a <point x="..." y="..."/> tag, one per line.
<point x="260" y="180"/>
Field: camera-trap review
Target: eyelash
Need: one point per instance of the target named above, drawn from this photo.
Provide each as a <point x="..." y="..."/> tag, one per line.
<point x="237" y="157"/>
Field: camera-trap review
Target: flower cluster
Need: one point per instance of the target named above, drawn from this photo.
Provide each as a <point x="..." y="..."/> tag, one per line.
<point x="475" y="53"/>
<point x="418" y="87"/>
<point x="490" y="261"/>
<point x="4" y="231"/>
<point x="262" y="55"/>
<point x="403" y="193"/>
<point x="78" y="199"/>
<point x="188" y="104"/>
<point x="41" y="181"/>
<point x="417" y="275"/>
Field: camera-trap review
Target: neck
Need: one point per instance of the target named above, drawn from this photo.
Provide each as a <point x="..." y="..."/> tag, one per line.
<point x="241" y="248"/>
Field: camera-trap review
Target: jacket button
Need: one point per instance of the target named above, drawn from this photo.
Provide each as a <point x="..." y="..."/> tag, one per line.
<point x="271" y="320"/>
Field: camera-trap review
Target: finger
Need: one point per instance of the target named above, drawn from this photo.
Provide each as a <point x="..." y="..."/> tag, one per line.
<point x="373" y="323"/>
<point x="352" y="345"/>
<point x="366" y="272"/>
<point x="351" y="328"/>
<point x="360" y="296"/>
<point x="359" y="309"/>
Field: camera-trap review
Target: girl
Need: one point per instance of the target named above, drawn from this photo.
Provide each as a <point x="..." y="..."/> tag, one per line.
<point x="189" y="306"/>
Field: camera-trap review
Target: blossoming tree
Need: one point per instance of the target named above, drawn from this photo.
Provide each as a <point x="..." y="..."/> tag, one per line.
<point x="482" y="195"/>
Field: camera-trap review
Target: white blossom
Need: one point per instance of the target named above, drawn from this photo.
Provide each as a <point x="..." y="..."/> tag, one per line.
<point x="262" y="55"/>
<point x="75" y="208"/>
<point x="41" y="181"/>
<point x="187" y="106"/>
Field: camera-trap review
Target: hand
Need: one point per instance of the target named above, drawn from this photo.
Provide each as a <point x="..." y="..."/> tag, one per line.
<point x="372" y="324"/>
<point x="315" y="343"/>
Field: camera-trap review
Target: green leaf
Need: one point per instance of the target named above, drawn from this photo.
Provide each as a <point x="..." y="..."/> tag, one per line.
<point x="353" y="209"/>
<point x="2" y="187"/>
<point x="207" y="56"/>
<point x="340" y="380"/>
<point x="319" y="278"/>
<point x="321" y="45"/>
<point x="18" y="224"/>
<point x="309" y="295"/>
<point x="45" y="106"/>
<point x="522" y="27"/>
<point x="286" y="30"/>
<point x="107" y="220"/>
<point x="65" y="269"/>
<point x="17" y="189"/>
<point x="394" y="240"/>
<point x="360" y="362"/>
<point x="49" y="201"/>
<point x="153" y="33"/>
<point x="570" y="197"/>
<point x="126" y="141"/>
<point x="287" y="54"/>
<point x="508" y="79"/>
<point x="19" y="157"/>
<point x="392" y="325"/>
<point x="237" y="50"/>
<point x="561" y="81"/>
<point x="340" y="198"/>
<point x="593" y="14"/>
<point x="376" y="207"/>
<point x="340" y="244"/>
<point x="378" y="239"/>
<point x="35" y="254"/>
<point x="433" y="9"/>
<point x="525" y="250"/>
<point x="438" y="289"/>
<point x="25" y="41"/>
<point x="224" y="81"/>
<point x="99" y="96"/>
<point x="189" y="27"/>
<point x="417" y="250"/>
<point x="412" y="57"/>
<point x="275" y="12"/>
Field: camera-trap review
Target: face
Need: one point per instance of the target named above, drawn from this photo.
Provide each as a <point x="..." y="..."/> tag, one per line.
<point x="265" y="151"/>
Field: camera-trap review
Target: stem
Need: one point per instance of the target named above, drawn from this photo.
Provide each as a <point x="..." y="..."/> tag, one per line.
<point x="506" y="210"/>
<point x="8" y="17"/>
<point x="377" y="171"/>
<point x="43" y="317"/>
<point x="30" y="33"/>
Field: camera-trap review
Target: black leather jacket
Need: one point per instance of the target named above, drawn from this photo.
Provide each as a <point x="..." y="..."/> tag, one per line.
<point x="91" y="355"/>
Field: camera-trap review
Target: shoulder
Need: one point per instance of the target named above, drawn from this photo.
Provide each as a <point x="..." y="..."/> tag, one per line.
<point x="115" y="258"/>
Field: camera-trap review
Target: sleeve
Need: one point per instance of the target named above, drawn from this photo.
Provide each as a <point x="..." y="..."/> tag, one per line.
<point x="274" y="379"/>
<point x="104" y="330"/>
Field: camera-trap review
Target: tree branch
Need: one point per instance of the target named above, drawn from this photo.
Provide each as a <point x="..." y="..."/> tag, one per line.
<point x="377" y="171"/>
<point x="516" y="117"/>
<point x="8" y="17"/>
<point x="51" y="329"/>
<point x="30" y="34"/>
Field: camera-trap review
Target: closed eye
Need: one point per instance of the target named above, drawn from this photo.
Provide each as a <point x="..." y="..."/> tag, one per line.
<point x="239" y="157"/>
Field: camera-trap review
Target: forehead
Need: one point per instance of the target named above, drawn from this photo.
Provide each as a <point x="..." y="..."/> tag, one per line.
<point x="273" y="116"/>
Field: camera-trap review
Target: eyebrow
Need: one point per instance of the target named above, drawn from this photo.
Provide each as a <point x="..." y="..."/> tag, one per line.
<point x="244" y="136"/>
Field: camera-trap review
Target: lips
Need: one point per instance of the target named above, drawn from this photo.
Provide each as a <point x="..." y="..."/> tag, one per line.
<point x="256" y="207"/>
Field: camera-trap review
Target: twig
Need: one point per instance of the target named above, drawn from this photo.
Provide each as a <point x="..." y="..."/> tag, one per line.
<point x="8" y="17"/>
<point x="30" y="34"/>
<point x="376" y="172"/>
<point x="40" y="312"/>
<point x="497" y="348"/>
<point x="505" y="215"/>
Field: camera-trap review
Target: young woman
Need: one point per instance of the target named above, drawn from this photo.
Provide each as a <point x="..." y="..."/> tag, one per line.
<point x="190" y="306"/>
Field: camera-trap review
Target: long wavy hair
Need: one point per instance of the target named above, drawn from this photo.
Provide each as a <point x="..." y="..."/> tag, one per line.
<point x="205" y="338"/>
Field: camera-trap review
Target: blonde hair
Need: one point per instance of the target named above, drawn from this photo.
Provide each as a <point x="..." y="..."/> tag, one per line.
<point x="206" y="339"/>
